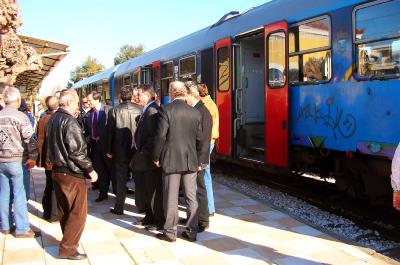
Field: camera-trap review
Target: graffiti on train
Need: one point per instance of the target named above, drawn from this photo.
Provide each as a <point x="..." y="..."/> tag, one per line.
<point x="342" y="124"/>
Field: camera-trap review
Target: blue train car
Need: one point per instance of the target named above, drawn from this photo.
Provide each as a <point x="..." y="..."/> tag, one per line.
<point x="308" y="86"/>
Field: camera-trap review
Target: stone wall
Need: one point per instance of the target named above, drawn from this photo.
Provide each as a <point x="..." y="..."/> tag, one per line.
<point x="15" y="57"/>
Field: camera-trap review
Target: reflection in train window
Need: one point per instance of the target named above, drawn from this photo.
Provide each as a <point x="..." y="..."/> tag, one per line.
<point x="223" y="69"/>
<point x="310" y="51"/>
<point x="277" y="59"/>
<point x="378" y="47"/>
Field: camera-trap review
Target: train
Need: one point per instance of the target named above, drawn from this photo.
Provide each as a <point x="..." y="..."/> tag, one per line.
<point x="310" y="87"/>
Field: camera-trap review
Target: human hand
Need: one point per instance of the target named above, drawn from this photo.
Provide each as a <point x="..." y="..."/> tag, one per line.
<point x="109" y="156"/>
<point x="30" y="163"/>
<point x="157" y="163"/>
<point x="93" y="176"/>
<point x="396" y="200"/>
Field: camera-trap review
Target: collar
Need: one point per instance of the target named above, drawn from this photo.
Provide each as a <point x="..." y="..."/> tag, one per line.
<point x="147" y="105"/>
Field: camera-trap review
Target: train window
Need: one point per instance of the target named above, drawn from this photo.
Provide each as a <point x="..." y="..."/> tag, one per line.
<point x="378" y="47"/>
<point x="127" y="79"/>
<point x="310" y="51"/>
<point x="276" y="59"/>
<point x="223" y="69"/>
<point x="187" y="68"/>
<point x="167" y="70"/>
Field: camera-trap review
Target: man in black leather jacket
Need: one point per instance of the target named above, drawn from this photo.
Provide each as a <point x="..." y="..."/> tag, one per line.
<point x="121" y="126"/>
<point x="68" y="155"/>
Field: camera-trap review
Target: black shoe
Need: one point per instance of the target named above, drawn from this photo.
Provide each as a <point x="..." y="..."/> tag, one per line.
<point x="113" y="211"/>
<point x="165" y="237"/>
<point x="182" y="221"/>
<point x="74" y="256"/>
<point x="202" y="228"/>
<point x="143" y="222"/>
<point x="130" y="191"/>
<point x="101" y="198"/>
<point x="185" y="235"/>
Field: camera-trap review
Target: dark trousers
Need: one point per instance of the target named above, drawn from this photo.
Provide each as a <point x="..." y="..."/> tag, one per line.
<point x="171" y="184"/>
<point x="47" y="195"/>
<point x="140" y="190"/>
<point x="104" y="168"/>
<point x="202" y="200"/>
<point x="71" y="196"/>
<point x="153" y="197"/>
<point x="121" y="177"/>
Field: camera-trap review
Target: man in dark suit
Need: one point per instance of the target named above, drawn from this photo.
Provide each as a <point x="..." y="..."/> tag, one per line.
<point x="95" y="132"/>
<point x="143" y="165"/>
<point x="176" y="150"/>
<point x="121" y="127"/>
<point x="194" y="100"/>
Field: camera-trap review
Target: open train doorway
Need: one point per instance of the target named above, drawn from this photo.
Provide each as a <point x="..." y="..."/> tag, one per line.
<point x="249" y="123"/>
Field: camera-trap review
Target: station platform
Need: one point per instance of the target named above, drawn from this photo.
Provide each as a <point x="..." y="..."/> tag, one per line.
<point x="243" y="231"/>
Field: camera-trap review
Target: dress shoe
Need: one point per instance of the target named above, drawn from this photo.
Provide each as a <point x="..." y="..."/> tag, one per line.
<point x="143" y="222"/>
<point x="73" y="256"/>
<point x="165" y="238"/>
<point x="188" y="237"/>
<point x="202" y="228"/>
<point x="113" y="211"/>
<point x="29" y="234"/>
<point x="101" y="198"/>
<point x="153" y="228"/>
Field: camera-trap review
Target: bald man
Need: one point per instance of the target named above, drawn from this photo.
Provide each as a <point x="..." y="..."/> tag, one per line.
<point x="48" y="200"/>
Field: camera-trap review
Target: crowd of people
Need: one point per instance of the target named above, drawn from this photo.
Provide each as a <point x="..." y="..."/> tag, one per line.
<point x="160" y="146"/>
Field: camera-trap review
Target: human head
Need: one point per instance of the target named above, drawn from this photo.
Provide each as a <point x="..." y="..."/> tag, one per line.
<point x="52" y="103"/>
<point x="177" y="89"/>
<point x="146" y="94"/>
<point x="126" y="93"/>
<point x="203" y="90"/>
<point x="3" y="86"/>
<point x="135" y="97"/>
<point x="12" y="97"/>
<point x="69" y="100"/>
<point x="85" y="103"/>
<point x="94" y="98"/>
<point x="192" y="93"/>
<point x="57" y="94"/>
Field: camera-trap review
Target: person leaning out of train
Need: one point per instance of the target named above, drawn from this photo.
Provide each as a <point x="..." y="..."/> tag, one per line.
<point x="396" y="178"/>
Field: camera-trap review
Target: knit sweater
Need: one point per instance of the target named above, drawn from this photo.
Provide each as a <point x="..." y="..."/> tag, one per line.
<point x="16" y="136"/>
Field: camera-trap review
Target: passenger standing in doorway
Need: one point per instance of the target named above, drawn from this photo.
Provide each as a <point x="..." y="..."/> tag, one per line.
<point x="213" y="109"/>
<point x="176" y="150"/>
<point x="143" y="165"/>
<point x="121" y="127"/>
<point x="16" y="141"/>
<point x="95" y="131"/>
<point x="68" y="155"/>
<point x="48" y="201"/>
<point x="194" y="100"/>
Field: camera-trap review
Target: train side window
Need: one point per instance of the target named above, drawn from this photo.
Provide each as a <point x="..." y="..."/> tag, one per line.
<point x="310" y="51"/>
<point x="167" y="75"/>
<point x="187" y="69"/>
<point x="276" y="59"/>
<point x="223" y="69"/>
<point x="377" y="39"/>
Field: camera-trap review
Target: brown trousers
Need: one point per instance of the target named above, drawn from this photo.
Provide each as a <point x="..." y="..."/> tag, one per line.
<point x="71" y="196"/>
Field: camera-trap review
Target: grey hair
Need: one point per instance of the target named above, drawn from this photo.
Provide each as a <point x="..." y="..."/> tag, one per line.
<point x="177" y="89"/>
<point x="67" y="96"/>
<point x="192" y="89"/>
<point x="11" y="95"/>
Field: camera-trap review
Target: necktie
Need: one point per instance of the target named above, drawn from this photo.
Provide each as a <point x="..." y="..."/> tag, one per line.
<point x="95" y="132"/>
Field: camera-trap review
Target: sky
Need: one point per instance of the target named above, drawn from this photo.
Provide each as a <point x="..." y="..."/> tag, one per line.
<point x="98" y="28"/>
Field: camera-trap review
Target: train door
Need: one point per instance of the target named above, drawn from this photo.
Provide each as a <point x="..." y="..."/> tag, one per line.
<point x="249" y="102"/>
<point x="156" y="71"/>
<point x="223" y="53"/>
<point x="276" y="95"/>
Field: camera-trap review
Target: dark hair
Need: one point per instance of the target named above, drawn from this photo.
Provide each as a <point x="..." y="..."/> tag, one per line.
<point x="203" y="90"/>
<point x="149" y="89"/>
<point x="96" y="95"/>
<point x="126" y="93"/>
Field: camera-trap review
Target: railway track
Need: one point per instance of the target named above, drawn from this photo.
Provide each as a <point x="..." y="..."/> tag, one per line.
<point x="380" y="222"/>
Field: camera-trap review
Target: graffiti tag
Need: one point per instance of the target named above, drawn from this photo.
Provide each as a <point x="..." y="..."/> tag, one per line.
<point x="342" y="124"/>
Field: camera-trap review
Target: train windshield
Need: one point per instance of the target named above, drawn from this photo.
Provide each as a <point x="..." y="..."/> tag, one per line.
<point x="377" y="37"/>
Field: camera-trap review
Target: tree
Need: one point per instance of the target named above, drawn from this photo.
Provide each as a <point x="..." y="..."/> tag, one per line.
<point x="127" y="52"/>
<point x="88" y="68"/>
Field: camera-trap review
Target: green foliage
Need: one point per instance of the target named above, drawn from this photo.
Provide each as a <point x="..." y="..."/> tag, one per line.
<point x="88" y="68"/>
<point x="127" y="52"/>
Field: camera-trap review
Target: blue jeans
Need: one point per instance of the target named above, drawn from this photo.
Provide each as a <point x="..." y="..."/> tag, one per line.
<point x="208" y="183"/>
<point x="11" y="175"/>
<point x="27" y="181"/>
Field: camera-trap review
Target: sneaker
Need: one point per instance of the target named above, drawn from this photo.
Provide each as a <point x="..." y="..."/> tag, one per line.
<point x="29" y="234"/>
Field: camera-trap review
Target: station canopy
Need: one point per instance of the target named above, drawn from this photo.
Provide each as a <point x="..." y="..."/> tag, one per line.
<point x="50" y="52"/>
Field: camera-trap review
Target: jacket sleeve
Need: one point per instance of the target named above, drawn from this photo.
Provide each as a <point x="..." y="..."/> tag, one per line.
<point x="206" y="136"/>
<point x="29" y="138"/>
<point x="199" y="136"/>
<point x="76" y="146"/>
<point x="161" y="134"/>
<point x="153" y="119"/>
<point x="86" y="124"/>
<point x="110" y="129"/>
<point x="396" y="170"/>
